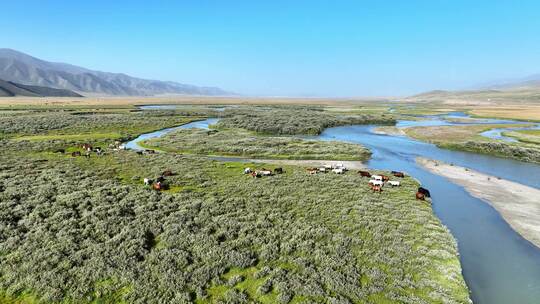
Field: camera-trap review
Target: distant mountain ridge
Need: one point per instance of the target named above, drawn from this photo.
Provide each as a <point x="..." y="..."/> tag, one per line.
<point x="25" y="69"/>
<point x="529" y="82"/>
<point x="10" y="88"/>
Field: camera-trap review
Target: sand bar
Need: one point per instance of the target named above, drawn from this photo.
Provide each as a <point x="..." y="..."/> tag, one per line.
<point x="518" y="204"/>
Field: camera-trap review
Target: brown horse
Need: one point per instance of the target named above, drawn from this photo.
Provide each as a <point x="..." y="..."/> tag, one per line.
<point x="385" y="178"/>
<point x="420" y="196"/>
<point x="398" y="174"/>
<point x="376" y="188"/>
<point x="167" y="173"/>
<point x="364" y="173"/>
<point x="76" y="153"/>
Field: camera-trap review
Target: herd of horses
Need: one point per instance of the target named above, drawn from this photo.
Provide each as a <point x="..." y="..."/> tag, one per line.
<point x="87" y="148"/>
<point x="377" y="182"/>
<point x="262" y="172"/>
<point x="160" y="182"/>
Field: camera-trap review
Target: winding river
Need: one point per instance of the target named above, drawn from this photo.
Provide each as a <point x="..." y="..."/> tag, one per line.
<point x="499" y="265"/>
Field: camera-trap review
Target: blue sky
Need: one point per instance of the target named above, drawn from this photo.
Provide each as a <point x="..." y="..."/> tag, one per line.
<point x="287" y="48"/>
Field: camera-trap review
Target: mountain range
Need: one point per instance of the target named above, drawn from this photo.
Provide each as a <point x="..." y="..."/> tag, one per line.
<point x="529" y="82"/>
<point x="10" y="88"/>
<point x="24" y="69"/>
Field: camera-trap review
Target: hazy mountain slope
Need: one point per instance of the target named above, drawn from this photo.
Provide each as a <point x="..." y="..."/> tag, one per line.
<point x="529" y="82"/>
<point x="21" y="68"/>
<point x="8" y="88"/>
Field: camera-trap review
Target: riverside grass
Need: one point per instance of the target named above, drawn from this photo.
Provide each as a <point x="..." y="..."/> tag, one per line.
<point x="468" y="138"/>
<point x="78" y="230"/>
<point x="242" y="143"/>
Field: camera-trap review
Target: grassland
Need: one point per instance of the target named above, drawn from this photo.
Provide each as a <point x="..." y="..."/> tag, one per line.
<point x="78" y="230"/>
<point x="526" y="136"/>
<point x="298" y="120"/>
<point x="468" y="138"/>
<point x="242" y="143"/>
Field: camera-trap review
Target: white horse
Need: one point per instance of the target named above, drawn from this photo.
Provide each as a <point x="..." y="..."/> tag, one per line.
<point x="375" y="182"/>
<point x="338" y="170"/>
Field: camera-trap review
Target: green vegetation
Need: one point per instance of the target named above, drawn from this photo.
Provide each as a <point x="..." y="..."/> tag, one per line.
<point x="245" y="144"/>
<point x="468" y="138"/>
<point x="297" y="120"/>
<point x="526" y="136"/>
<point x="86" y="230"/>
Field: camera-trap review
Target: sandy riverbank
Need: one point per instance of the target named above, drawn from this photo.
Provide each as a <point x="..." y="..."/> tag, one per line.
<point x="518" y="204"/>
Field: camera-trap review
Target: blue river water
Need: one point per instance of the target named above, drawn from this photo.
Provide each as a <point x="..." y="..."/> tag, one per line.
<point x="499" y="265"/>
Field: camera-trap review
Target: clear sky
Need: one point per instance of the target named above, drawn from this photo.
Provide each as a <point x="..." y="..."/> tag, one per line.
<point x="287" y="48"/>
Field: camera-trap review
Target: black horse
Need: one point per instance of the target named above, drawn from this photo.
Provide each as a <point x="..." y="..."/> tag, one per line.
<point x="424" y="191"/>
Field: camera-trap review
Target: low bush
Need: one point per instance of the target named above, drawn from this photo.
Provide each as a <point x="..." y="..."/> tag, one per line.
<point x="241" y="143"/>
<point x="293" y="121"/>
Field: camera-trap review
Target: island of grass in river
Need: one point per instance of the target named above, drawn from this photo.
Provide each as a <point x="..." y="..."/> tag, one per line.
<point x="242" y="143"/>
<point x="468" y="138"/>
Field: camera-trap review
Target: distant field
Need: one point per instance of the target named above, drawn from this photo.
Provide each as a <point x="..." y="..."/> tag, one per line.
<point x="527" y="136"/>
<point x="521" y="112"/>
<point x="453" y="133"/>
<point x="468" y="138"/>
<point x="195" y="100"/>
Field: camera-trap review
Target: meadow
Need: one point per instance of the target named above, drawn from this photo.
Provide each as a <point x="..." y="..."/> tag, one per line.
<point x="242" y="143"/>
<point x="297" y="120"/>
<point x="526" y="136"/>
<point x="87" y="230"/>
<point x="468" y="138"/>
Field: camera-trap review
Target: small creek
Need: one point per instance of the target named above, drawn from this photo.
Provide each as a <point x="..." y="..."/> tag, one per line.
<point x="499" y="265"/>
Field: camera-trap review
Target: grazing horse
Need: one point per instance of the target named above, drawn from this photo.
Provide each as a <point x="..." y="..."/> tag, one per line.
<point x="312" y="170"/>
<point x="394" y="183"/>
<point x="376" y="188"/>
<point x="265" y="172"/>
<point x="338" y="170"/>
<point x="385" y="178"/>
<point x="375" y="182"/>
<point x="147" y="181"/>
<point x="167" y="173"/>
<point x="148" y="151"/>
<point x="278" y="170"/>
<point x="424" y="191"/>
<point x="398" y="174"/>
<point x="139" y="152"/>
<point x="364" y="173"/>
<point x="76" y="153"/>
<point x="420" y="196"/>
<point x="157" y="186"/>
<point x="87" y="147"/>
<point x="160" y="179"/>
<point x="377" y="177"/>
<point x="247" y="170"/>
